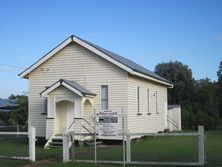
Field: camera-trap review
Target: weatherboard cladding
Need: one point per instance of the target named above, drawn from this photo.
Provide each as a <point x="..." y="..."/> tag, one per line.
<point x="146" y="123"/>
<point x="136" y="67"/>
<point x="132" y="65"/>
<point x="76" y="63"/>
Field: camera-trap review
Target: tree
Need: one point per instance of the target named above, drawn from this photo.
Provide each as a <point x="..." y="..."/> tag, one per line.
<point x="12" y="96"/>
<point x="219" y="89"/>
<point x="206" y="97"/>
<point x="206" y="104"/>
<point x="20" y="114"/>
<point x="219" y="72"/>
<point x="181" y="76"/>
<point x="201" y="100"/>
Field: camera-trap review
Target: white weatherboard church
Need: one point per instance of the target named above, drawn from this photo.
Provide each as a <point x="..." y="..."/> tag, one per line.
<point x="77" y="77"/>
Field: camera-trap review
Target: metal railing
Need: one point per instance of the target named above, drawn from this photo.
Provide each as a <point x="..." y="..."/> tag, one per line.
<point x="174" y="123"/>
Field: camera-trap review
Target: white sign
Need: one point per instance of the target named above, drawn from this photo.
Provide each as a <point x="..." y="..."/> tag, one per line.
<point x="108" y="124"/>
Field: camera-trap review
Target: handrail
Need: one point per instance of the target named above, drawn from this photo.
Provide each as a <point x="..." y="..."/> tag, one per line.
<point x="174" y="123"/>
<point x="87" y="129"/>
<point x="71" y="124"/>
<point x="82" y="125"/>
<point x="86" y="121"/>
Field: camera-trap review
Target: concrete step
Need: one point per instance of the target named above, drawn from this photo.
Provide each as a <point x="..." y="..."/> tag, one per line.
<point x="55" y="143"/>
<point x="56" y="140"/>
<point x="52" y="146"/>
<point x="92" y="143"/>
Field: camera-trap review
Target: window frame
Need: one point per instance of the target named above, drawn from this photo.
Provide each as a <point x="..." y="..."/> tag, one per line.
<point x="156" y="92"/>
<point x="138" y="101"/>
<point x="102" y="99"/>
<point x="148" y="102"/>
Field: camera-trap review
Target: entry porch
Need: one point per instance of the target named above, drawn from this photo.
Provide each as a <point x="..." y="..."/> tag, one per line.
<point x="69" y="108"/>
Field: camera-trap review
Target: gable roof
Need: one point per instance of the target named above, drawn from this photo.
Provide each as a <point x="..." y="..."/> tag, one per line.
<point x="71" y="85"/>
<point x="125" y="64"/>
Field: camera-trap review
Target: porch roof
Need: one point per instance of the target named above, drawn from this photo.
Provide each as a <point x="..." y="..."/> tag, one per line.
<point x="71" y="85"/>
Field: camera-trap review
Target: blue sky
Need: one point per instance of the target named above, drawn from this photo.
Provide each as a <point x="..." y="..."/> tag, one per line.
<point x="145" y="31"/>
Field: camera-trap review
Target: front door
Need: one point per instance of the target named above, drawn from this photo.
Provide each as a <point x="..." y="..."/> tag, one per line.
<point x="63" y="109"/>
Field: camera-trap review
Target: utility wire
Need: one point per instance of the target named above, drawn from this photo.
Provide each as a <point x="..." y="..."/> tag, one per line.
<point x="12" y="66"/>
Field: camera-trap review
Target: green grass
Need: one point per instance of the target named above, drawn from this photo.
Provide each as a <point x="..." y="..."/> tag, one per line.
<point x="182" y="149"/>
<point x="214" y="148"/>
<point x="12" y="146"/>
<point x="147" y="149"/>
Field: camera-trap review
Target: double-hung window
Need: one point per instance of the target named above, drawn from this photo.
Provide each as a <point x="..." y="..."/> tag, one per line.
<point x="104" y="97"/>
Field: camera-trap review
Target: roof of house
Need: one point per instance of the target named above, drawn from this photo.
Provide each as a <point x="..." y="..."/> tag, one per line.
<point x="124" y="63"/>
<point x="173" y="106"/>
<point x="8" y="103"/>
<point x="71" y="85"/>
<point x="127" y="62"/>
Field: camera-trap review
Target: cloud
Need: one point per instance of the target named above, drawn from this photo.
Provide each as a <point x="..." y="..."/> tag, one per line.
<point x="5" y="68"/>
<point x="217" y="37"/>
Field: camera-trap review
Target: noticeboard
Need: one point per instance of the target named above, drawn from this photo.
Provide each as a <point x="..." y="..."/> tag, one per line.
<point x="108" y="124"/>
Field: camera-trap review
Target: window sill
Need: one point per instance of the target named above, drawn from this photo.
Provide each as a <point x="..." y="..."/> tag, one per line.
<point x="50" y="118"/>
<point x="139" y="113"/>
<point x="149" y="113"/>
<point x="157" y="113"/>
<point x="44" y="113"/>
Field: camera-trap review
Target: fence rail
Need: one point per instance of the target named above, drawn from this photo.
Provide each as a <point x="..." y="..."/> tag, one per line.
<point x="31" y="135"/>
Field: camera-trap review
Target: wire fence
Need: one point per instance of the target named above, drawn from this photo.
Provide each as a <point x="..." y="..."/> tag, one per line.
<point x="14" y="128"/>
<point x="151" y="149"/>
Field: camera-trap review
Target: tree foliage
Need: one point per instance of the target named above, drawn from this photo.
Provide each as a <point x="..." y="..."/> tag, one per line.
<point x="20" y="114"/>
<point x="201" y="100"/>
<point x="219" y="89"/>
<point x="181" y="76"/>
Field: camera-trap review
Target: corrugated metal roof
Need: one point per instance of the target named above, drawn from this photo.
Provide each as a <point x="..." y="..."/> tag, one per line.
<point x="136" y="67"/>
<point x="78" y="87"/>
<point x="74" y="85"/>
<point x="130" y="64"/>
<point x="173" y="106"/>
<point x="8" y="103"/>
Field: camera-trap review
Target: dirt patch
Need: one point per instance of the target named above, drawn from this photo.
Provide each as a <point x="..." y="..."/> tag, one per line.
<point x="44" y="162"/>
<point x="86" y="152"/>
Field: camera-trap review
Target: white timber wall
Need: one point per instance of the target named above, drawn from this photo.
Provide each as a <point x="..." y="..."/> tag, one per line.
<point x="155" y="120"/>
<point x="78" y="64"/>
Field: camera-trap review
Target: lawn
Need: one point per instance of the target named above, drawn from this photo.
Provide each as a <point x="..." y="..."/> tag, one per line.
<point x="152" y="149"/>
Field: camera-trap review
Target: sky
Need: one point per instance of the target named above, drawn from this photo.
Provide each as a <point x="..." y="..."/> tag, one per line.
<point x="146" y="31"/>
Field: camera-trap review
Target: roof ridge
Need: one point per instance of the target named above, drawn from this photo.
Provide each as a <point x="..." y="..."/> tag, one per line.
<point x="126" y="59"/>
<point x="124" y="63"/>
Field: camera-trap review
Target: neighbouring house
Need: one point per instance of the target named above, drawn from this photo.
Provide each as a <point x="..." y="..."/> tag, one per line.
<point x="6" y="106"/>
<point x="76" y="77"/>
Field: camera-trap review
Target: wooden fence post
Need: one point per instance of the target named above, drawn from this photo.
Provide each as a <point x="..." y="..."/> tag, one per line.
<point x="128" y="148"/>
<point x="17" y="130"/>
<point x="32" y="140"/>
<point x="65" y="146"/>
<point x="201" y="149"/>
